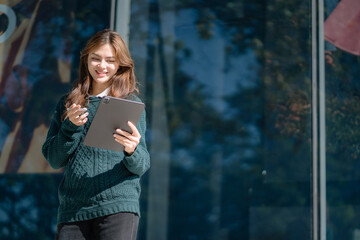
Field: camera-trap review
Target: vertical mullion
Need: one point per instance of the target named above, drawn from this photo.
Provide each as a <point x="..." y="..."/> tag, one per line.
<point x="322" y="122"/>
<point x="122" y="20"/>
<point x="315" y="140"/>
<point x="112" y="15"/>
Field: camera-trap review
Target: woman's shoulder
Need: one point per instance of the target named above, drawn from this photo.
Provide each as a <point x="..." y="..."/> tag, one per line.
<point x="61" y="103"/>
<point x="62" y="99"/>
<point x="134" y="97"/>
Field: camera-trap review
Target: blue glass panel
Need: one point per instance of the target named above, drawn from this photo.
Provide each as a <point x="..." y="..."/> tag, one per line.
<point x="39" y="60"/>
<point x="227" y="85"/>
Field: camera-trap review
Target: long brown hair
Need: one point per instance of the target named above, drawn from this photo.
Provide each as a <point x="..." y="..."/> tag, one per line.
<point x="122" y="84"/>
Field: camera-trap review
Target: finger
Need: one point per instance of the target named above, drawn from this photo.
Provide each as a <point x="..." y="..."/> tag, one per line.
<point x="81" y="122"/>
<point x="125" y="141"/>
<point x="72" y="108"/>
<point x="129" y="145"/>
<point x="83" y="115"/>
<point x="71" y="111"/>
<point x="122" y="132"/>
<point x="127" y="135"/>
<point x="75" y="108"/>
<point x="135" y="131"/>
<point x="78" y="113"/>
<point x="121" y="138"/>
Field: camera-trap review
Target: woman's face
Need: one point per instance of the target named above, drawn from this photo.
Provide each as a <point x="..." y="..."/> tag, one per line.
<point x="102" y="65"/>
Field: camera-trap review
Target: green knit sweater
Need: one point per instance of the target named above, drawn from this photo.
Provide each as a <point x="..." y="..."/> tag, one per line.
<point x="96" y="182"/>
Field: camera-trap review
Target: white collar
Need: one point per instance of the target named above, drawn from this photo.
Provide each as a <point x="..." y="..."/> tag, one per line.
<point x="104" y="93"/>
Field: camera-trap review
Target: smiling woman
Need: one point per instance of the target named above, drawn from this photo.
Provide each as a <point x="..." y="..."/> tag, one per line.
<point x="106" y="68"/>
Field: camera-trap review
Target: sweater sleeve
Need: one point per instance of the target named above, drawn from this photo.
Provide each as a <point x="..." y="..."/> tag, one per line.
<point x="139" y="161"/>
<point x="62" y="139"/>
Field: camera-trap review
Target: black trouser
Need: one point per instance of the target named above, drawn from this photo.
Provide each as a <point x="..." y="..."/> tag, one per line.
<point x="120" y="226"/>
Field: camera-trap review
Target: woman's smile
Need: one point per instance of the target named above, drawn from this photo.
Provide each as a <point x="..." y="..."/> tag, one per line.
<point x="101" y="73"/>
<point x="102" y="67"/>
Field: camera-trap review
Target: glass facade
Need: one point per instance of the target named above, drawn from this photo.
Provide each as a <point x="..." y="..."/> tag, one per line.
<point x="239" y="101"/>
<point x="39" y="59"/>
<point x="227" y="86"/>
<point x="342" y="91"/>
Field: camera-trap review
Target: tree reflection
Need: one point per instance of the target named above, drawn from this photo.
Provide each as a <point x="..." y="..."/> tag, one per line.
<point x="234" y="165"/>
<point x="28" y="206"/>
<point x="254" y="151"/>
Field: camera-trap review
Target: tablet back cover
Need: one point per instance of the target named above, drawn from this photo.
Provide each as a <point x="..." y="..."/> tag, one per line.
<point x="111" y="114"/>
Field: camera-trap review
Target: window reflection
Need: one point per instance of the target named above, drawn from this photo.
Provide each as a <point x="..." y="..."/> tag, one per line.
<point x="36" y="68"/>
<point x="227" y="85"/>
<point x="342" y="118"/>
<point x="228" y="92"/>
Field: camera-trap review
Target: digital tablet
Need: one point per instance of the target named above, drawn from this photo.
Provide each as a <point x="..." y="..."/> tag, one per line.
<point x="111" y="114"/>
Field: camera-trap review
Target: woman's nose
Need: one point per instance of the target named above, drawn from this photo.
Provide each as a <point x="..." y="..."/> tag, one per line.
<point x="102" y="64"/>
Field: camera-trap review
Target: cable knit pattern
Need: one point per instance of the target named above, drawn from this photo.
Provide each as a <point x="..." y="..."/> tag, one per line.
<point x="96" y="182"/>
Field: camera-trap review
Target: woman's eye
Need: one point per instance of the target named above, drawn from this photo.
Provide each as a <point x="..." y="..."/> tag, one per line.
<point x="95" y="59"/>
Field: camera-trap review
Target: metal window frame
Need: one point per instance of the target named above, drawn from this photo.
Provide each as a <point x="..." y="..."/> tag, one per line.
<point x="318" y="121"/>
<point x="120" y="18"/>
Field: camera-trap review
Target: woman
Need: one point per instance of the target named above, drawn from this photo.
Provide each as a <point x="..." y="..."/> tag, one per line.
<point x="99" y="193"/>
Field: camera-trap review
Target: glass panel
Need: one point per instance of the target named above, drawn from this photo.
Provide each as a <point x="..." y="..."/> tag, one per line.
<point x="40" y="43"/>
<point x="342" y="119"/>
<point x="38" y="62"/>
<point x="28" y="206"/>
<point x="227" y="87"/>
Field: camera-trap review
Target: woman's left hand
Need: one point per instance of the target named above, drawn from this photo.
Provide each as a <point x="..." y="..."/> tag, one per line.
<point x="128" y="140"/>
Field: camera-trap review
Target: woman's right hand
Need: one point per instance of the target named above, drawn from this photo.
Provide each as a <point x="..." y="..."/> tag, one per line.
<point x="77" y="115"/>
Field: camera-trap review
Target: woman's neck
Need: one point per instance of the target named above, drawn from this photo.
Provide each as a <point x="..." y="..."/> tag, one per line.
<point x="97" y="89"/>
